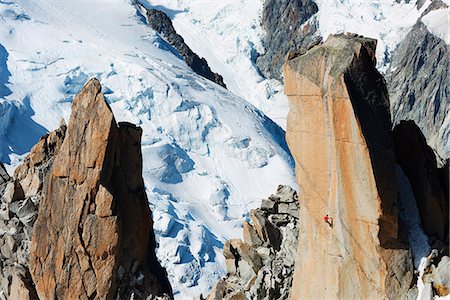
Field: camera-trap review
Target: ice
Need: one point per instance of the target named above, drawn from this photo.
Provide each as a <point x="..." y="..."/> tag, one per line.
<point x="438" y="22"/>
<point x="228" y="35"/>
<point x="387" y="21"/>
<point x="209" y="156"/>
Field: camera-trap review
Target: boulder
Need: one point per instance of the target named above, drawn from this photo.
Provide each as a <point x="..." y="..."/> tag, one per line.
<point x="289" y="26"/>
<point x="339" y="133"/>
<point x="162" y="24"/>
<point x="4" y="176"/>
<point x="257" y="267"/>
<point x="266" y="231"/>
<point x="241" y="259"/>
<point x="250" y="236"/>
<point x="269" y="206"/>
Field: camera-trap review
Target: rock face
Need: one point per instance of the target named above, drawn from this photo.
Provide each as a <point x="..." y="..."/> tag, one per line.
<point x="162" y="24"/>
<point x="441" y="276"/>
<point x="261" y="266"/>
<point x="288" y="27"/>
<point x="93" y="236"/>
<point x="435" y="273"/>
<point x="418" y="162"/>
<point x="418" y="86"/>
<point x="21" y="195"/>
<point x="339" y="132"/>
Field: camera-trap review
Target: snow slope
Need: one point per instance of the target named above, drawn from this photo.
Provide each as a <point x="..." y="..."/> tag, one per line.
<point x="209" y="156"/>
<point x="228" y="35"/>
<point x="437" y="22"/>
<point x="387" y="21"/>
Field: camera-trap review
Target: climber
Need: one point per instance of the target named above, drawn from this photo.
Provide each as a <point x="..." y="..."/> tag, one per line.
<point x="328" y="220"/>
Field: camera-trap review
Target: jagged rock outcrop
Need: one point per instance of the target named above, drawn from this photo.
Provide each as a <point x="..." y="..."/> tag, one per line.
<point x="261" y="266"/>
<point x="339" y="132"/>
<point x="289" y="27"/>
<point x="20" y="199"/>
<point x="418" y="162"/>
<point x="162" y="24"/>
<point x="93" y="237"/>
<point x="441" y="277"/>
<point x="435" y="274"/>
<point x="418" y="86"/>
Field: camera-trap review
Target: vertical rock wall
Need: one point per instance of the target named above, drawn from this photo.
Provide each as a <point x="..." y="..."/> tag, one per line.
<point x="418" y="162"/>
<point x="339" y="132"/>
<point x="93" y="232"/>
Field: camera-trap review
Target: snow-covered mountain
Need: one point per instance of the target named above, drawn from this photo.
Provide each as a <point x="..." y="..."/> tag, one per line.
<point x="230" y="36"/>
<point x="210" y="154"/>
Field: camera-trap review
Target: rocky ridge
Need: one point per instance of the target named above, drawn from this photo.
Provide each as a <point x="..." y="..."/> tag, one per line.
<point x="162" y="24"/>
<point x="21" y="195"/>
<point x="418" y="86"/>
<point x="339" y="132"/>
<point x="418" y="162"/>
<point x="93" y="236"/>
<point x="417" y="77"/>
<point x="289" y="26"/>
<point x="75" y="221"/>
<point x="261" y="266"/>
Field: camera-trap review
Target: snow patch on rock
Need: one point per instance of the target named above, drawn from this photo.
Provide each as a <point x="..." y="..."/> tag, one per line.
<point x="438" y="22"/>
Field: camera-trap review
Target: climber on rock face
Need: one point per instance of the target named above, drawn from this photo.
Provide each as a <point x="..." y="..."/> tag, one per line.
<point x="328" y="220"/>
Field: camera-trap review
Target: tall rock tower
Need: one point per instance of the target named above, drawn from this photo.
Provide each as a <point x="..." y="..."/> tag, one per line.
<point x="93" y="238"/>
<point x="339" y="132"/>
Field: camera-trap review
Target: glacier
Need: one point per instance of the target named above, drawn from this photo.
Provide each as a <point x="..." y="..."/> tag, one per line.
<point x="209" y="155"/>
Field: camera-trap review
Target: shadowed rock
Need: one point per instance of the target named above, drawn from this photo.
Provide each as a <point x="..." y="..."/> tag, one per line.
<point x="289" y="27"/>
<point x="418" y="85"/>
<point x="418" y="162"/>
<point x="93" y="235"/>
<point x="162" y="24"/>
<point x="261" y="266"/>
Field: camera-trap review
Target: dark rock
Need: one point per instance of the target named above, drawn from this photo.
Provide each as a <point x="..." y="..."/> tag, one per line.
<point x="288" y="27"/>
<point x="418" y="85"/>
<point x="269" y="206"/>
<point x="266" y="231"/>
<point x="258" y="268"/>
<point x="418" y="162"/>
<point x="162" y="24"/>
